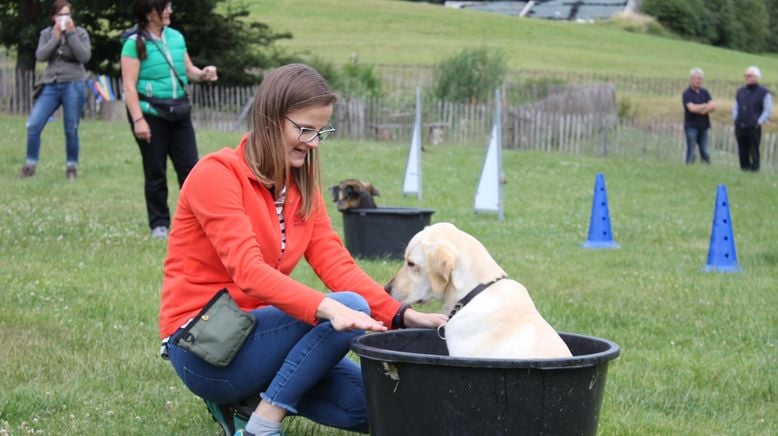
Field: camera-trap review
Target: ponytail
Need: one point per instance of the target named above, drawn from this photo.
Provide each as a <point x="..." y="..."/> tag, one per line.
<point x="140" y="41"/>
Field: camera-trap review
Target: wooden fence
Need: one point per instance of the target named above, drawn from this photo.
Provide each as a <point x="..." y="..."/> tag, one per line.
<point x="547" y="124"/>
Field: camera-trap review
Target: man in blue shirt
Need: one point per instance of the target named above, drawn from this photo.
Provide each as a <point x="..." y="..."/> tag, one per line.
<point x="697" y="103"/>
<point x="753" y="107"/>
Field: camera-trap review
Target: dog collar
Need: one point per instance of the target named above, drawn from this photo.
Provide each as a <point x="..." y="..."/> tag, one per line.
<point x="470" y="295"/>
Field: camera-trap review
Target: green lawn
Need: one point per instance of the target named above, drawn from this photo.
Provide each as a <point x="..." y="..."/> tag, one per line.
<point x="80" y="280"/>
<point x="400" y="32"/>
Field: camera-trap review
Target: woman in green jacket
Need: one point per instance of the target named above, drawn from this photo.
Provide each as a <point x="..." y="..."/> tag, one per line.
<point x="156" y="66"/>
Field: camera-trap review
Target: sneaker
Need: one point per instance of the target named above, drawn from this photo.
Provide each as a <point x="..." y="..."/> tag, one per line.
<point x="223" y="416"/>
<point x="159" y="232"/>
<point x="27" y="170"/>
<point x="71" y="173"/>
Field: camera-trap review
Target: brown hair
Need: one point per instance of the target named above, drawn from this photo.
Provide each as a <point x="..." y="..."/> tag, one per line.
<point x="57" y="6"/>
<point x="286" y="89"/>
<point x="141" y="9"/>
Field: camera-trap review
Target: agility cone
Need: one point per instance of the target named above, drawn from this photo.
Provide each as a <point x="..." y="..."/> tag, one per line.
<point x="600" y="235"/>
<point x="721" y="254"/>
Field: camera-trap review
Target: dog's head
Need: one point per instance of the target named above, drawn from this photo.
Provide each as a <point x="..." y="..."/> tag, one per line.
<point x="441" y="262"/>
<point x="354" y="194"/>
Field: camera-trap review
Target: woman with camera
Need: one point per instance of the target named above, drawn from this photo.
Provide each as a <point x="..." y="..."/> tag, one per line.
<point x="156" y="69"/>
<point x="66" y="48"/>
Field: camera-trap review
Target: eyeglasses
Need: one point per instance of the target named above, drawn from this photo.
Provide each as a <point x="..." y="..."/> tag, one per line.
<point x="308" y="135"/>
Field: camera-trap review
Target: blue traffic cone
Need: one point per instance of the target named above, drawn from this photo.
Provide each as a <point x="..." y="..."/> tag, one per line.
<point x="721" y="253"/>
<point x="600" y="235"/>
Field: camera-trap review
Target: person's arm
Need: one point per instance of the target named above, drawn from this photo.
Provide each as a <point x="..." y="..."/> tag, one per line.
<point x="206" y="74"/>
<point x="130" y="72"/>
<point x="702" y="108"/>
<point x="338" y="271"/>
<point x="78" y="40"/>
<point x="696" y="108"/>
<point x="767" y="110"/>
<point x="217" y="194"/>
<point x="47" y="44"/>
<point x="344" y="318"/>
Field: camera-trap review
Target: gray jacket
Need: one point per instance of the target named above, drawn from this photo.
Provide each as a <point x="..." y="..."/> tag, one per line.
<point x="66" y="56"/>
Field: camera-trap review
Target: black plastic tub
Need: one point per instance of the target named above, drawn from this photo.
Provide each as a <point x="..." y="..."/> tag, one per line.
<point x="414" y="388"/>
<point x="383" y="231"/>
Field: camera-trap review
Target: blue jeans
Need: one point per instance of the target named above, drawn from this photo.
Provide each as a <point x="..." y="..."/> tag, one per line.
<point x="71" y="96"/>
<point x="292" y="365"/>
<point x="696" y="136"/>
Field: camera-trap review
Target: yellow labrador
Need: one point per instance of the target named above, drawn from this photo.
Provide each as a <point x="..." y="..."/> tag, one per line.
<point x="492" y="316"/>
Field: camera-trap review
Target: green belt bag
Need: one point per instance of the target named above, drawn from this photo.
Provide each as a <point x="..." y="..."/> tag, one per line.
<point x="218" y="331"/>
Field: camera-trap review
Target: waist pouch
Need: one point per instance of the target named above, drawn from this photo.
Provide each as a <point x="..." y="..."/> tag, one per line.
<point x="170" y="109"/>
<point x="218" y="331"/>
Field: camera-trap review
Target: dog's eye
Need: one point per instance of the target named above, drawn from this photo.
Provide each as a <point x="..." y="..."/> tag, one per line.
<point x="410" y="264"/>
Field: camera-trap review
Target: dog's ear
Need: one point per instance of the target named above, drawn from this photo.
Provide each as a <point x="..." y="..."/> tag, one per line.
<point x="442" y="259"/>
<point x="372" y="190"/>
<point x="335" y="190"/>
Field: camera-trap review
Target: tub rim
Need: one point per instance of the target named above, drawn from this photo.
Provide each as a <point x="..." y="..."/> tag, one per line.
<point x="581" y="361"/>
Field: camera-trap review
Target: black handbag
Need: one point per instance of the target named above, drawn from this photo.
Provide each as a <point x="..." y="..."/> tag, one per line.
<point x="170" y="109"/>
<point x="37" y="89"/>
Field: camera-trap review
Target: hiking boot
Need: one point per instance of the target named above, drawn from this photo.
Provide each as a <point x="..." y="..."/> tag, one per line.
<point x="71" y="173"/>
<point x="28" y="170"/>
<point x="159" y="232"/>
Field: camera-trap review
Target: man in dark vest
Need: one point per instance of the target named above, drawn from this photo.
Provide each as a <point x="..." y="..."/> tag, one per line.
<point x="752" y="108"/>
<point x="697" y="103"/>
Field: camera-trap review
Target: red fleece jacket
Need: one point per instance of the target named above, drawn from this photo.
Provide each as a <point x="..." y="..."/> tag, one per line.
<point x="225" y="234"/>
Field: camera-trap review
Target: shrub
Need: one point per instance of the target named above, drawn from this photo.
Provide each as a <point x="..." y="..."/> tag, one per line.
<point x="470" y="76"/>
<point x="680" y="16"/>
<point x="351" y="80"/>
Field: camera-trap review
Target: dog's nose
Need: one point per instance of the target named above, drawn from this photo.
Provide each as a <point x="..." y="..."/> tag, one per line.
<point x="388" y="287"/>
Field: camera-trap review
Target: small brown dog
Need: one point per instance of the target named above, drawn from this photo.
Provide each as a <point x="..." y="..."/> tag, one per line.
<point x="354" y="194"/>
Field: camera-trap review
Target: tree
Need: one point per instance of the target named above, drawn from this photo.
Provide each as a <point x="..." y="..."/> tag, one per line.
<point x="679" y="16"/>
<point x="241" y="49"/>
<point x="736" y="24"/>
<point x="20" y="22"/>
<point x="772" y="9"/>
<point x="751" y="31"/>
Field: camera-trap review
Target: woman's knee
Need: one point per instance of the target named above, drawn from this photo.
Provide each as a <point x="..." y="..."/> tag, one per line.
<point x="351" y="300"/>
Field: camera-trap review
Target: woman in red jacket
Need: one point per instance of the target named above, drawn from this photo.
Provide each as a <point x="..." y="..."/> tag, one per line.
<point x="245" y="218"/>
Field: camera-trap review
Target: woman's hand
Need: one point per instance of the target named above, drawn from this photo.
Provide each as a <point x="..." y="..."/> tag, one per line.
<point x="413" y="318"/>
<point x="70" y="25"/>
<point x="142" y="130"/>
<point x="208" y="74"/>
<point x="345" y="319"/>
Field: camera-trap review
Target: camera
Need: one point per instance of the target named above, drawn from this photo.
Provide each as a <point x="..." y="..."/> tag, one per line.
<point x="63" y="21"/>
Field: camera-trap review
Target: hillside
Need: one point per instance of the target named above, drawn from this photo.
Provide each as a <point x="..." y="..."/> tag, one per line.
<point x="398" y="32"/>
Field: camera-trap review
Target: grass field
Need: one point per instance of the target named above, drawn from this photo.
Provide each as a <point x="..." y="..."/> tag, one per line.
<point x="400" y="32"/>
<point x="80" y="281"/>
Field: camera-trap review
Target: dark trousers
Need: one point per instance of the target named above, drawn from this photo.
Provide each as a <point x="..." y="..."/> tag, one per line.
<point x="174" y="139"/>
<point x="748" y="139"/>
